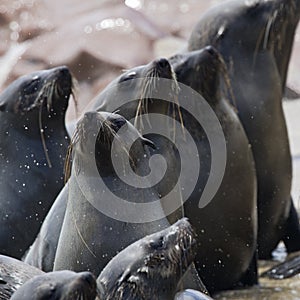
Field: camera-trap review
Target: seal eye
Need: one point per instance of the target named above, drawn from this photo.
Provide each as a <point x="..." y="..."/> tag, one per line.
<point x="117" y="123"/>
<point x="157" y="244"/>
<point x="32" y="86"/>
<point x="128" y="76"/>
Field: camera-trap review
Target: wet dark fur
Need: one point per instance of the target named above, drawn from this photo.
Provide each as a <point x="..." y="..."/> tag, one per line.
<point x="33" y="145"/>
<point x="151" y="267"/>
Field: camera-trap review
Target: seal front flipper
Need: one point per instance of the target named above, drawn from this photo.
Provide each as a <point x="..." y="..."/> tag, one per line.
<point x="287" y="269"/>
<point x="291" y="238"/>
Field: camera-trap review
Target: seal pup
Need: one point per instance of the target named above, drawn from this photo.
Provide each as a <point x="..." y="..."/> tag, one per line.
<point x="13" y="274"/>
<point x="58" y="285"/>
<point x="151" y="267"/>
<point x="33" y="145"/>
<point x="227" y="227"/>
<point x="255" y="39"/>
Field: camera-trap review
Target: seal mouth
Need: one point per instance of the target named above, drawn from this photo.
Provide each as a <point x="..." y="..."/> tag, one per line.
<point x="82" y="287"/>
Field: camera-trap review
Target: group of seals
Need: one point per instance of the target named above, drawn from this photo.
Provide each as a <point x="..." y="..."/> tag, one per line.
<point x="235" y="239"/>
<point x="257" y="58"/>
<point x="33" y="145"/>
<point x="90" y="231"/>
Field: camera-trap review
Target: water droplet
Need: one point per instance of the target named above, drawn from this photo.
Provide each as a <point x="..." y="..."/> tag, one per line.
<point x="88" y="29"/>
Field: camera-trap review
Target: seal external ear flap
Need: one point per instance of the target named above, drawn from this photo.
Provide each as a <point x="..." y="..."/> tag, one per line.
<point x="148" y="143"/>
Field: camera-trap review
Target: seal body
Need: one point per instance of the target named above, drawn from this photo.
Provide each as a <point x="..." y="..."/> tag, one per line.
<point x="59" y="285"/>
<point x="41" y="253"/>
<point x="217" y="222"/>
<point x="151" y="267"/>
<point x="33" y="145"/>
<point x="90" y="238"/>
<point x="13" y="274"/>
<point x="226" y="227"/>
<point x="257" y="58"/>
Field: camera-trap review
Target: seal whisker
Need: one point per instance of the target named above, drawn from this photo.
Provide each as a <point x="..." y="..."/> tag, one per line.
<point x="79" y="233"/>
<point x="43" y="137"/>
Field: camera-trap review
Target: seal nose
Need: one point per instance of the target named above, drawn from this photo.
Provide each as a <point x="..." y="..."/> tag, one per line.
<point x="163" y="67"/>
<point x="211" y="50"/>
<point x="88" y="277"/>
<point x="163" y="63"/>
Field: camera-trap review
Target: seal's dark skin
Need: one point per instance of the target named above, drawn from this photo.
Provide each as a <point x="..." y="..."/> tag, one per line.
<point x="66" y="285"/>
<point x="229" y="222"/>
<point x="151" y="267"/>
<point x="255" y="39"/>
<point x="13" y="274"/>
<point x="33" y="145"/>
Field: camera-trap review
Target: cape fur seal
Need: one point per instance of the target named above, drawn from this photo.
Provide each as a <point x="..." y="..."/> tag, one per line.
<point x="33" y="145"/>
<point x="151" y="267"/>
<point x="13" y="274"/>
<point x="236" y="255"/>
<point x="66" y="285"/>
<point x="255" y="39"/>
<point x="227" y="227"/>
<point x="81" y="245"/>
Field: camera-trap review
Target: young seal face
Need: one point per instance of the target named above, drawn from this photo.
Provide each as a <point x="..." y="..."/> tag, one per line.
<point x="151" y="267"/>
<point x="65" y="285"/>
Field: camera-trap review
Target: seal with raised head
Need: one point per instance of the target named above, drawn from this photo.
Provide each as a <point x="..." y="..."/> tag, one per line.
<point x="13" y="274"/>
<point x="33" y="145"/>
<point x="90" y="237"/>
<point x="226" y="228"/>
<point x="255" y="39"/>
<point x="66" y="285"/>
<point x="213" y="232"/>
<point x="151" y="267"/>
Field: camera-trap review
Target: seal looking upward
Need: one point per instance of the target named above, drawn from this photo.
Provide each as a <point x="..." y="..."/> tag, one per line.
<point x="33" y="145"/>
<point x="255" y="39"/>
<point x="227" y="227"/>
<point x="89" y="238"/>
